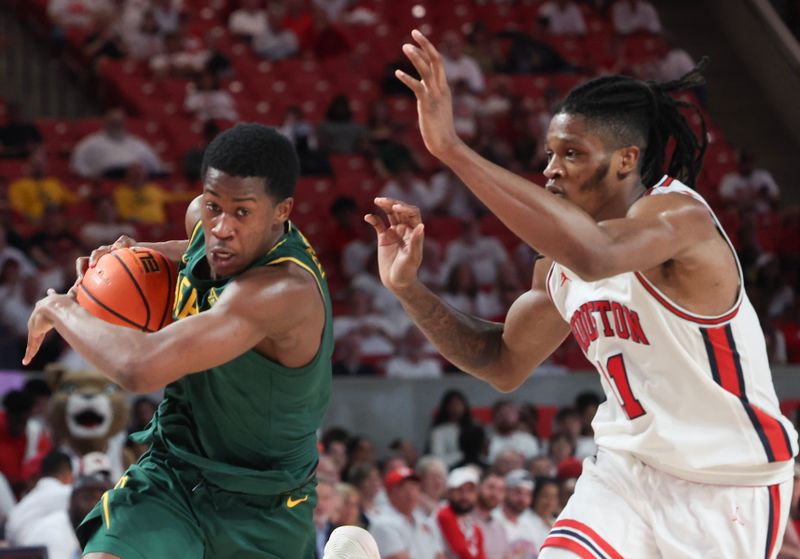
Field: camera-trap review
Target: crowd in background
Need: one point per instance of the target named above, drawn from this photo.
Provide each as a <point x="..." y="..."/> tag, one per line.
<point x="60" y="199"/>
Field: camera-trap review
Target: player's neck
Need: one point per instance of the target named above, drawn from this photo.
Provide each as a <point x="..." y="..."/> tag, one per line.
<point x="618" y="204"/>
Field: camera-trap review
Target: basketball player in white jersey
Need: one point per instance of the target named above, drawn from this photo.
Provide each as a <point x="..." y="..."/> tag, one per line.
<point x="695" y="459"/>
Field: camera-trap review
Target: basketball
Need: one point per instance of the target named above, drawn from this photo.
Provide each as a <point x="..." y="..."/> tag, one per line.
<point x="131" y="287"/>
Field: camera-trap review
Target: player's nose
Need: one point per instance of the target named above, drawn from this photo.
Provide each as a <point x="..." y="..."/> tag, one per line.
<point x="223" y="228"/>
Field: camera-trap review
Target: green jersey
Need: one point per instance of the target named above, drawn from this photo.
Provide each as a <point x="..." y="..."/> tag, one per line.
<point x="250" y="424"/>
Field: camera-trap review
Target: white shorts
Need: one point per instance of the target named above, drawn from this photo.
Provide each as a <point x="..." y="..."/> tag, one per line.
<point x="623" y="508"/>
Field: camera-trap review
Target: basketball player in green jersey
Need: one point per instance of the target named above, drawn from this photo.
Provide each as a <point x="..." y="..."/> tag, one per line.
<point x="245" y="366"/>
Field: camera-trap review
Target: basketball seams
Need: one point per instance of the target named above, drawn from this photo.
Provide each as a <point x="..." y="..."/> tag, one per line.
<point x="136" y="284"/>
<point x="112" y="311"/>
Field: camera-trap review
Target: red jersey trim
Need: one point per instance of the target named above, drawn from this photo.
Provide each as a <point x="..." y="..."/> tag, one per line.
<point x="547" y="280"/>
<point x="684" y="314"/>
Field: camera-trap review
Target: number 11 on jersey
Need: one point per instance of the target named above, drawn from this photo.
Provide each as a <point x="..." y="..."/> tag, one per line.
<point x="615" y="365"/>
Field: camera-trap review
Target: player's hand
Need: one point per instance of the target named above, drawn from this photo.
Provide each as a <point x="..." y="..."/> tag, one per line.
<point x="434" y="102"/>
<point x="39" y="323"/>
<point x="85" y="262"/>
<point x="400" y="244"/>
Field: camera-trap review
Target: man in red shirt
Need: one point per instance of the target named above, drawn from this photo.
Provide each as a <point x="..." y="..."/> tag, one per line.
<point x="462" y="535"/>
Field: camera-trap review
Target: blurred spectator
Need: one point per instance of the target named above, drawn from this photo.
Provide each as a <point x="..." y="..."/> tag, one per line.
<point x="402" y="531"/>
<point x="110" y="151"/>
<point x="452" y="415"/>
<point x="18" y="137"/>
<point x="387" y="150"/>
<point x="632" y="16"/>
<point x="562" y="446"/>
<point x="463" y="293"/>
<point x="367" y="480"/>
<point x="377" y="332"/>
<point x="334" y="442"/>
<point x="507" y="434"/>
<point x="749" y="188"/>
<point x="142" y="411"/>
<point x="458" y="66"/>
<point x="411" y="360"/>
<point x="485" y="254"/>
<point x="146" y="41"/>
<point x="348" y="359"/>
<point x="168" y="14"/>
<point x="405" y="450"/>
<point x="193" y="158"/>
<point x="491" y="494"/>
<point x="107" y="38"/>
<point x="179" y="60"/>
<point x="324" y="511"/>
<point x="106" y="227"/>
<point x="569" y="422"/>
<point x="432" y="271"/>
<point x="586" y="404"/>
<point x="776" y="285"/>
<point x="472" y="444"/>
<point x="218" y="62"/>
<point x="775" y="342"/>
<point x="41" y="393"/>
<point x="339" y="133"/>
<point x="529" y="419"/>
<point x="7" y="500"/>
<point x="541" y="466"/>
<point x="328" y="40"/>
<point x="408" y="186"/>
<point x="360" y="451"/>
<point x="276" y="42"/>
<point x="346" y="226"/>
<point x="507" y="461"/>
<point x="348" y="507"/>
<point x="302" y="134"/>
<point x="207" y="100"/>
<point x="51" y="248"/>
<point x="143" y="201"/>
<point x="50" y="494"/>
<point x="19" y="292"/>
<point x="516" y="518"/>
<point x="432" y="473"/>
<point x="462" y="535"/>
<point x="332" y="8"/>
<point x="76" y="14"/>
<point x="566" y="491"/>
<point x="545" y="505"/>
<point x="484" y="49"/>
<point x="295" y="16"/>
<point x="30" y="195"/>
<point x="530" y="53"/>
<point x="563" y="17"/>
<point x="249" y="21"/>
<point x="465" y="110"/>
<point x="17" y="406"/>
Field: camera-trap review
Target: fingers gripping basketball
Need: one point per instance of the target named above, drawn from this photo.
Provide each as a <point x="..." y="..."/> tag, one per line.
<point x="131" y="287"/>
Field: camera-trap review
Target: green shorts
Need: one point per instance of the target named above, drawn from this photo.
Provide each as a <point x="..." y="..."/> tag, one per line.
<point x="162" y="508"/>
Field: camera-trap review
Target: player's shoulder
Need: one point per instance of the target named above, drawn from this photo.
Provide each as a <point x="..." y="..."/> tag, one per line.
<point x="674" y="198"/>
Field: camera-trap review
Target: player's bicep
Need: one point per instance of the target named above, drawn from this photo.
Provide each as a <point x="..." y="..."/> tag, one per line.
<point x="532" y="331"/>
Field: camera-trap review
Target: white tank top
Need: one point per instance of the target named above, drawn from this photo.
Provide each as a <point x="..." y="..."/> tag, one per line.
<point x="687" y="394"/>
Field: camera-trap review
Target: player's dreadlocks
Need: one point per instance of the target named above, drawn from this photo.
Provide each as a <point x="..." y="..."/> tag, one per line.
<point x="629" y="112"/>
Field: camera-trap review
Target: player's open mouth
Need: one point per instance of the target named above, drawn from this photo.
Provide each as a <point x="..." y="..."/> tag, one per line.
<point x="553" y="189"/>
<point x="222" y="256"/>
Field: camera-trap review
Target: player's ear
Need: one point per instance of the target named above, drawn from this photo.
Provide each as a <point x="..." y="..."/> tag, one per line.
<point x="283" y="209"/>
<point x="627" y="160"/>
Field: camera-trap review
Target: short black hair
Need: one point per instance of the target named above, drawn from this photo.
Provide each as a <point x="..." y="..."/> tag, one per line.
<point x="18" y="403"/>
<point x="37" y="387"/>
<point x="54" y="464"/>
<point x="255" y="150"/>
<point x="626" y="111"/>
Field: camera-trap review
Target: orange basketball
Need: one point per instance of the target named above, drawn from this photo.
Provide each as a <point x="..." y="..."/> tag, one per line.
<point x="132" y="287"/>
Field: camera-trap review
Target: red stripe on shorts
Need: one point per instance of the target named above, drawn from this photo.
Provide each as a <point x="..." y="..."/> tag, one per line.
<point x="572" y="545"/>
<point x="594" y="536"/>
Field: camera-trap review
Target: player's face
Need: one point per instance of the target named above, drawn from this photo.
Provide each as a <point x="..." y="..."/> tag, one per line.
<point x="241" y="221"/>
<point x="578" y="163"/>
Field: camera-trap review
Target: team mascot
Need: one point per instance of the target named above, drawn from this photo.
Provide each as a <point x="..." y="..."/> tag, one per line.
<point x="88" y="413"/>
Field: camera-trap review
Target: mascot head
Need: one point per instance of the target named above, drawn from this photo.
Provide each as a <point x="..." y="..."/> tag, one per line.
<point x="86" y="409"/>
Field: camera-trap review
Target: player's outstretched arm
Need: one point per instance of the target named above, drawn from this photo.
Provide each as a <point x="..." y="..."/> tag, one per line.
<point x="501" y="354"/>
<point x="554" y="226"/>
<point x="263" y="303"/>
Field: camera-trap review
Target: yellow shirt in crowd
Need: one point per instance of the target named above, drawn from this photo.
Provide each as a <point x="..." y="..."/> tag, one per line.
<point x="30" y="196"/>
<point x="146" y="204"/>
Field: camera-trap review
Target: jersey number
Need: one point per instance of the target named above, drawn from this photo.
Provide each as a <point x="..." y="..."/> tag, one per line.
<point x="619" y="374"/>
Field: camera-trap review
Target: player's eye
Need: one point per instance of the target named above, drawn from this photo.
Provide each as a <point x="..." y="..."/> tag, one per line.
<point x="212" y="207"/>
<point x="548" y="154"/>
<point x="571" y="153"/>
<point x="242" y="212"/>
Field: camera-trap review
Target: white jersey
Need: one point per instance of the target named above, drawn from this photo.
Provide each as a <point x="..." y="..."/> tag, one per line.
<point x="686" y="394"/>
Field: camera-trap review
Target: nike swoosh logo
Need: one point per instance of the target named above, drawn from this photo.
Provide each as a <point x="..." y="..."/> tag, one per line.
<point x="291" y="503"/>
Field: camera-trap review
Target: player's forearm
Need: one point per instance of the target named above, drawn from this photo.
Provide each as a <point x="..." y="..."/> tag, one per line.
<point x="172" y="250"/>
<point x="470" y="343"/>
<point x="553" y="226"/>
<point x="112" y="350"/>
